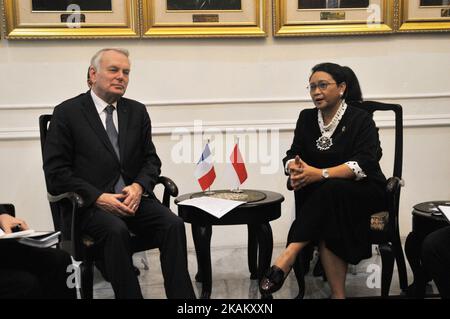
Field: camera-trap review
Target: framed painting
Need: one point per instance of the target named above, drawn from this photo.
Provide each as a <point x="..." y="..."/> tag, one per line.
<point x="332" y="17"/>
<point x="424" y="15"/>
<point x="68" y="19"/>
<point x="204" y="18"/>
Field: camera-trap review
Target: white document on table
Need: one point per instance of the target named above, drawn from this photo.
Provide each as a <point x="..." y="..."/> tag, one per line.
<point x="214" y="206"/>
<point x="445" y="210"/>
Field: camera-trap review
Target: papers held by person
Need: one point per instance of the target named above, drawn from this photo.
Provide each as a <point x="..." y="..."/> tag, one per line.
<point x="29" y="237"/>
<point x="41" y="239"/>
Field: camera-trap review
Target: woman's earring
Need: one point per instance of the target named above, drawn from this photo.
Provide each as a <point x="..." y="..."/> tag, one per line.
<point x="341" y="94"/>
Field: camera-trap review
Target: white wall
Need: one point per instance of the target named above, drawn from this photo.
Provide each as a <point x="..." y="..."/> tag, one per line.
<point x="237" y="83"/>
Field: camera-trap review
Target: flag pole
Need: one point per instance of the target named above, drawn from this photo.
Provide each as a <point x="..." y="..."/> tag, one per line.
<point x="209" y="192"/>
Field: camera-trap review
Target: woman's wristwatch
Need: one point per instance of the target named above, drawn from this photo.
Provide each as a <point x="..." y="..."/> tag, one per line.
<point x="325" y="173"/>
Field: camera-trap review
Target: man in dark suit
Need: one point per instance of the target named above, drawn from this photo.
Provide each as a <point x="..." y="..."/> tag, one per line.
<point x="29" y="272"/>
<point x="436" y="259"/>
<point x="99" y="145"/>
<point x="324" y="4"/>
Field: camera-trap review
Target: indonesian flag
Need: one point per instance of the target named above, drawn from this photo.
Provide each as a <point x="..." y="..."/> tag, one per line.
<point x="236" y="173"/>
<point x="204" y="172"/>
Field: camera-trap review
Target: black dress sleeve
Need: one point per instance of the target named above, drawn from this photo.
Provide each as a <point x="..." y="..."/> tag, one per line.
<point x="297" y="142"/>
<point x="366" y="147"/>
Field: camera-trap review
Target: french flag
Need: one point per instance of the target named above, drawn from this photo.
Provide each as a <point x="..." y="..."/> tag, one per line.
<point x="204" y="172"/>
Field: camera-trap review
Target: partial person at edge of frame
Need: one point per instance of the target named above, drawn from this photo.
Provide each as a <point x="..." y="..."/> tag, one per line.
<point x="29" y="272"/>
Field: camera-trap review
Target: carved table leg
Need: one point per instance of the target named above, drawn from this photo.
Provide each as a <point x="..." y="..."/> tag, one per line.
<point x="202" y="241"/>
<point x="252" y="251"/>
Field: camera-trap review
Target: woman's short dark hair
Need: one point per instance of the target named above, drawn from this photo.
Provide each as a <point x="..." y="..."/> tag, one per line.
<point x="353" y="92"/>
<point x="342" y="74"/>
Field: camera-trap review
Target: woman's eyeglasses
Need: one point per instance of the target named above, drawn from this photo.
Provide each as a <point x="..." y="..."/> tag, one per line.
<point x="321" y="85"/>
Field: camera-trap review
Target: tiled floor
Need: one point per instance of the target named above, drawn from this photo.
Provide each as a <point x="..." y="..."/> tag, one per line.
<point x="231" y="278"/>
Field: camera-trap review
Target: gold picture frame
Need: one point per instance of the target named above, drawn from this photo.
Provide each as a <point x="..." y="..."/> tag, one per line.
<point x="424" y="16"/>
<point x="313" y="18"/>
<point x="180" y="19"/>
<point x="25" y="19"/>
<point x="1" y="20"/>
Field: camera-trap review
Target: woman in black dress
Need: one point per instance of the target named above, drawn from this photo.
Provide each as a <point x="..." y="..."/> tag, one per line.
<point x="334" y="170"/>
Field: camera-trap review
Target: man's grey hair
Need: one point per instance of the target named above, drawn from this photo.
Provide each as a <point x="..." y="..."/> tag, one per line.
<point x="95" y="61"/>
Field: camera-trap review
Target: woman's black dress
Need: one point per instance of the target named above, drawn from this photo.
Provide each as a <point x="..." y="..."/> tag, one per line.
<point x="338" y="210"/>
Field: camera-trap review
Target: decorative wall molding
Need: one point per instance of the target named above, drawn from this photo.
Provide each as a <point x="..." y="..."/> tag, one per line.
<point x="23" y="133"/>
<point x="282" y="125"/>
<point x="404" y="97"/>
<point x="293" y="100"/>
<point x="180" y="128"/>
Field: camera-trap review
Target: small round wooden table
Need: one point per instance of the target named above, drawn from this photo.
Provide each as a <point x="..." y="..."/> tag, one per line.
<point x="255" y="214"/>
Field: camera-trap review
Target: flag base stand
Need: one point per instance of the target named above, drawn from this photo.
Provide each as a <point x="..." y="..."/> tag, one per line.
<point x="247" y="195"/>
<point x="208" y="193"/>
<point x="237" y="190"/>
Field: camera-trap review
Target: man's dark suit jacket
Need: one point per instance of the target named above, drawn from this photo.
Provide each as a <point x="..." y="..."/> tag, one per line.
<point x="79" y="157"/>
<point x="321" y="4"/>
